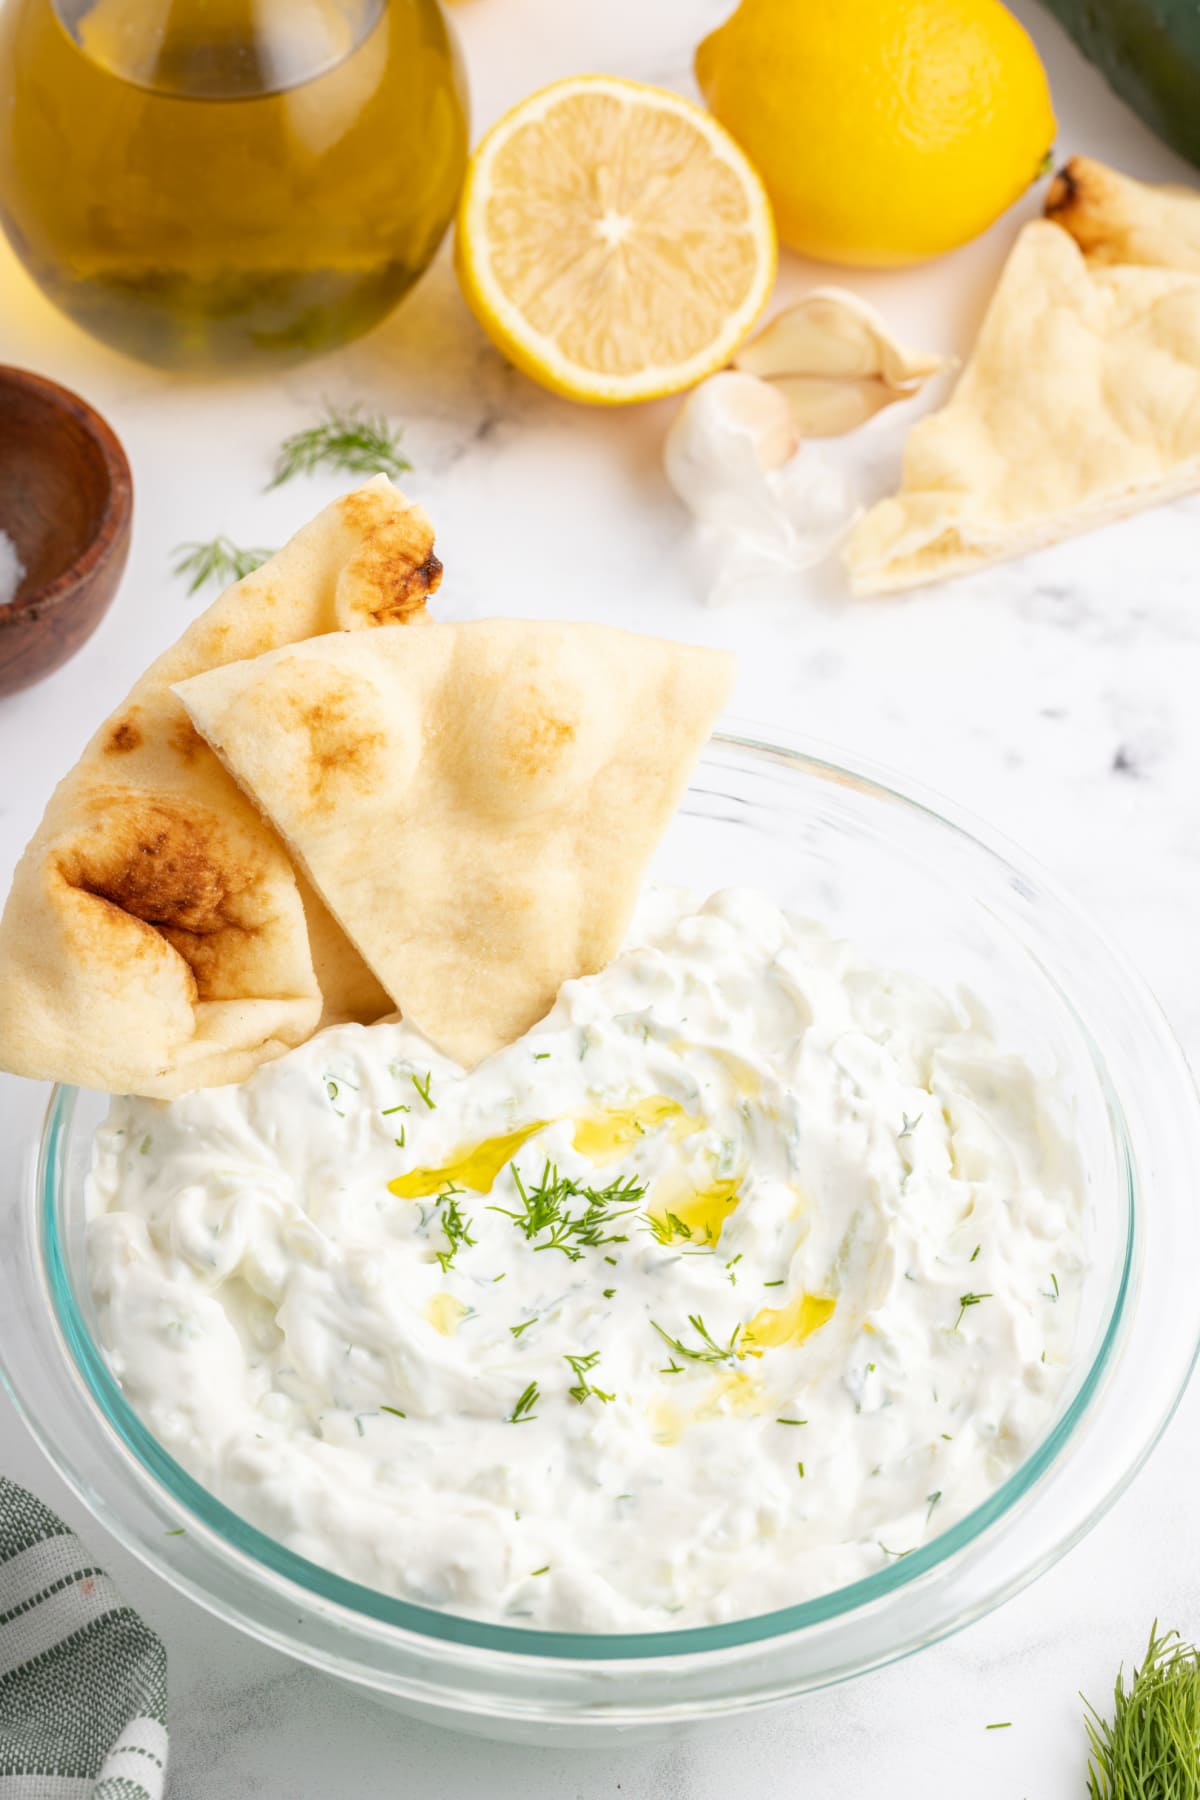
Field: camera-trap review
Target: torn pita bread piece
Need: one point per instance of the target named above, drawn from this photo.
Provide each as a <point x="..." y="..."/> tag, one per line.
<point x="1080" y="404"/>
<point x="157" y="937"/>
<point x="1115" y="219"/>
<point x="476" y="804"/>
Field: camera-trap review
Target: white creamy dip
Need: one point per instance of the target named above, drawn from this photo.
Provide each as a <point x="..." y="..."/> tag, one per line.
<point x="762" y="1269"/>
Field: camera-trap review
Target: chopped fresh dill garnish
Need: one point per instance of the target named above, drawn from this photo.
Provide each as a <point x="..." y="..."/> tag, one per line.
<point x="331" y="1088"/>
<point x="609" y="1292"/>
<point x="547" y="1215"/>
<point x="791" y="1421"/>
<point x="455" y="1224"/>
<point x="1000" y="1725"/>
<point x="524" y="1326"/>
<point x="402" y="1140"/>
<point x="176" y="1531"/>
<point x="221" y="560"/>
<point x="342" y="440"/>
<point x="778" y="1283"/>
<point x="612" y="1260"/>
<point x="947" y="1437"/>
<point x="800" y="1470"/>
<point x="541" y="1056"/>
<point x="144" y="1146"/>
<point x="544" y="1570"/>
<point x="523" y="1412"/>
<point x="933" y="1500"/>
<point x="975" y="1252"/>
<point x="1150" y="1750"/>
<point x="665" y="1228"/>
<point x="580" y="1367"/>
<point x="424" y="1090"/>
<point x="1054" y="1279"/>
<point x="710" y="1351"/>
<point x="389" y="1110"/>
<point x="672" y="1368"/>
<point x="729" y="1268"/>
<point x="501" y="1275"/>
<point x="965" y="1300"/>
<point x="395" y="1412"/>
<point x="909" y="1125"/>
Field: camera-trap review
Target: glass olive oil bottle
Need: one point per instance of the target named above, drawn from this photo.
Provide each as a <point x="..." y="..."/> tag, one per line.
<point x="201" y="181"/>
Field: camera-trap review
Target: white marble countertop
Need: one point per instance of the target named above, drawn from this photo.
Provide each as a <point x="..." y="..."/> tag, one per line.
<point x="1056" y="697"/>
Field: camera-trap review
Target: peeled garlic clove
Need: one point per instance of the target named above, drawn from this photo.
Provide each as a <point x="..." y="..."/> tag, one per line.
<point x="832" y="337"/>
<point x="821" y="407"/>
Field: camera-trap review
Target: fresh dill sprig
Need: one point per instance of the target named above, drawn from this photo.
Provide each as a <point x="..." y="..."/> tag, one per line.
<point x="709" y="1351"/>
<point x="666" y="1227"/>
<point x="455" y="1224"/>
<point x="523" y="1411"/>
<point x="1150" y="1749"/>
<point x="220" y="560"/>
<point x="358" y="443"/>
<point x="395" y="1412"/>
<point x="545" y="1211"/>
<point x="582" y="1366"/>
<point x="965" y="1300"/>
<point x="423" y="1089"/>
<point x="908" y="1126"/>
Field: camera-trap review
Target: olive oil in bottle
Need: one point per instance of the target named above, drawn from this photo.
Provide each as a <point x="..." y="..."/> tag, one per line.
<point x="200" y="181"/>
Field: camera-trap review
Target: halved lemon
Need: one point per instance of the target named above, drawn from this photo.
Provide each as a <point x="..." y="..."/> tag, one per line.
<point x="613" y="240"/>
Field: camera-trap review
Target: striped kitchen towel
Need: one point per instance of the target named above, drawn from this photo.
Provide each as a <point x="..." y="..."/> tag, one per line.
<point x="83" y="1680"/>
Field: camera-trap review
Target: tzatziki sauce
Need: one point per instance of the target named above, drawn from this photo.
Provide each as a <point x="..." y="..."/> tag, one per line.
<point x="747" y="1271"/>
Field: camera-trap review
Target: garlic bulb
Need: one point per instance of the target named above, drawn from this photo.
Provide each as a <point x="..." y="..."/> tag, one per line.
<point x="769" y="506"/>
<point x="835" y="362"/>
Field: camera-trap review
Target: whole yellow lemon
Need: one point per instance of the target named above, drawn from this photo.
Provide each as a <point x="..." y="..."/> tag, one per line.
<point x="885" y="131"/>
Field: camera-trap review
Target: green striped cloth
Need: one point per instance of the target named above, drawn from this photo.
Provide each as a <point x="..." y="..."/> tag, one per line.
<point x="83" y="1680"/>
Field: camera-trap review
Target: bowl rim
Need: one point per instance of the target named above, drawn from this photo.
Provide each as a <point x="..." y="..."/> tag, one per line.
<point x="365" y="1608"/>
<point x="117" y="513"/>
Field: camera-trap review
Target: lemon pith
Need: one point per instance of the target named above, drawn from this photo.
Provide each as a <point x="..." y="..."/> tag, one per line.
<point x="613" y="240"/>
<point x="886" y="131"/>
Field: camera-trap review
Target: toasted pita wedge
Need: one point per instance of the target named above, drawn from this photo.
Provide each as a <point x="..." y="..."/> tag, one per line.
<point x="1080" y="404"/>
<point x="157" y="937"/>
<point x="1115" y="219"/>
<point x="476" y="804"/>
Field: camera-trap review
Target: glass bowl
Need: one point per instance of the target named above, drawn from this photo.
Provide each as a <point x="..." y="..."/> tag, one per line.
<point x="914" y="887"/>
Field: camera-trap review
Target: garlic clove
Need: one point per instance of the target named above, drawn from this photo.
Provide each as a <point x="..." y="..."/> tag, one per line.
<point x="729" y="432"/>
<point x="832" y="338"/>
<point x="768" y="504"/>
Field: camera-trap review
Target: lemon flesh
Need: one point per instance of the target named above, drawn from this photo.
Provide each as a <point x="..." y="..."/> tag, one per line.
<point x="886" y="131"/>
<point x="613" y="240"/>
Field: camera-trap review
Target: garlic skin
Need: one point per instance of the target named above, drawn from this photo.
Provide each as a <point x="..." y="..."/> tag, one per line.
<point x="769" y="507"/>
<point x="834" y="361"/>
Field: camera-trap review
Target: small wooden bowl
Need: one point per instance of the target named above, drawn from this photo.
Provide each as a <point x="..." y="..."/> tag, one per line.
<point x="66" y="501"/>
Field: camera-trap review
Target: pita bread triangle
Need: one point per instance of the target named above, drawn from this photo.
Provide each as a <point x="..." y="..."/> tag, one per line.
<point x="157" y="937"/>
<point x="475" y="803"/>
<point x="1080" y="404"/>
<point x="1115" y="219"/>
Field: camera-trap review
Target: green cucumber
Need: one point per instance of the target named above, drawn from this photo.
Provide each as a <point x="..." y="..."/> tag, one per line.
<point x="1149" y="52"/>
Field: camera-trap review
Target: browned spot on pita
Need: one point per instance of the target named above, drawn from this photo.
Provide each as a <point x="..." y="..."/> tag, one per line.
<point x="342" y="752"/>
<point x="123" y="737"/>
<point x="391" y="575"/>
<point x="186" y="740"/>
<point x="537" y="743"/>
<point x="403" y="594"/>
<point x="164" y="863"/>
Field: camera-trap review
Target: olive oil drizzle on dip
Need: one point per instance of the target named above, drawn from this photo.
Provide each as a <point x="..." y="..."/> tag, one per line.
<point x="749" y="1269"/>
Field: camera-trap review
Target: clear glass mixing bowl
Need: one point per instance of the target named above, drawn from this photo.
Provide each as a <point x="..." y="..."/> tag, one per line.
<point x="914" y="887"/>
